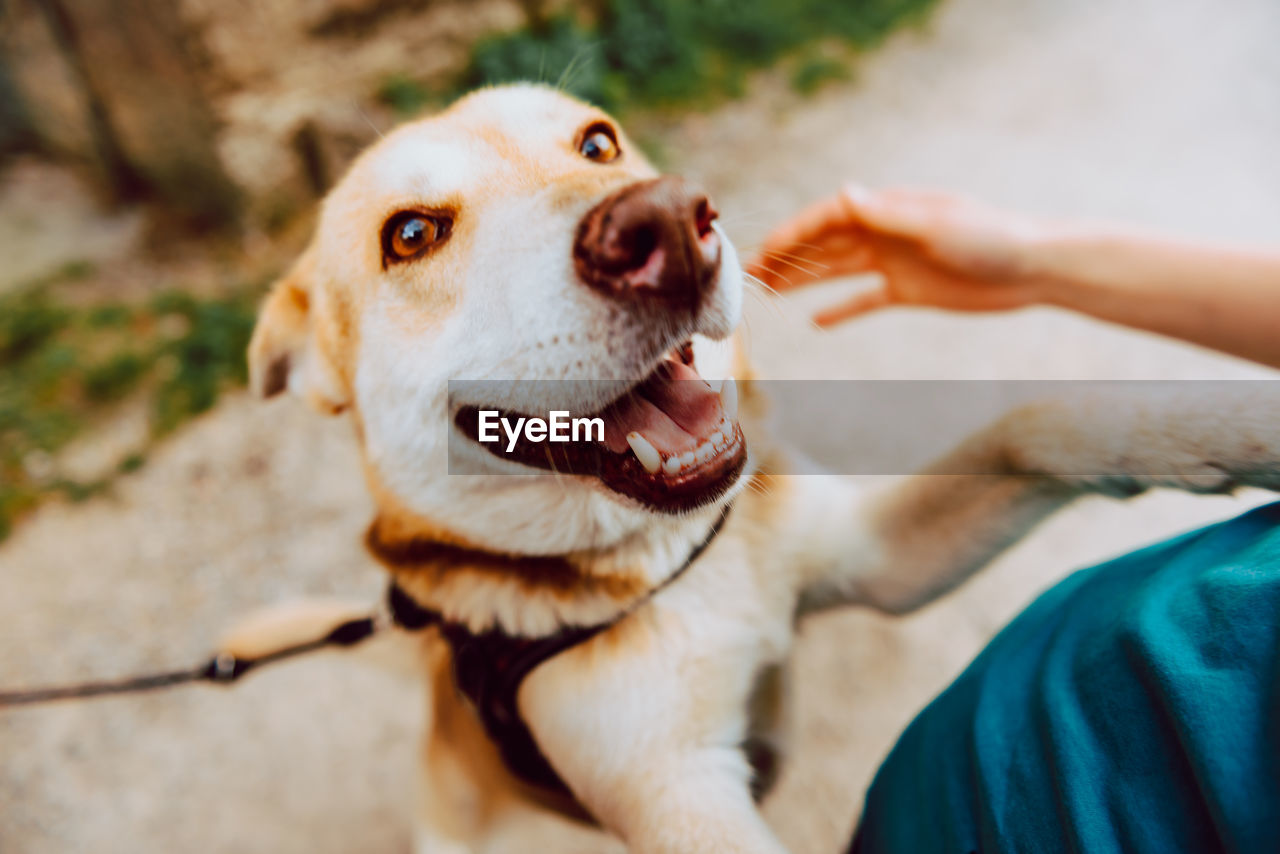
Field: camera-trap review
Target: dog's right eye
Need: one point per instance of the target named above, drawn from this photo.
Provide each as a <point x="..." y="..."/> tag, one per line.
<point x="408" y="234"/>
<point x="599" y="143"/>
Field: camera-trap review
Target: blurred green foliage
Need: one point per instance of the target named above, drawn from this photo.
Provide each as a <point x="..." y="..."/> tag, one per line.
<point x="671" y="52"/>
<point x="665" y="53"/>
<point x="63" y="364"/>
<point x="813" y="72"/>
<point x="403" y="94"/>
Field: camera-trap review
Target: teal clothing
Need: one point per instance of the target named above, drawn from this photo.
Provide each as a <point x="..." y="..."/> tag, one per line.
<point x="1134" y="707"/>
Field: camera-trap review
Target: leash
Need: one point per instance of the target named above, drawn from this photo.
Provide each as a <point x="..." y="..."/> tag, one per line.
<point x="225" y="668"/>
<point x="220" y="669"/>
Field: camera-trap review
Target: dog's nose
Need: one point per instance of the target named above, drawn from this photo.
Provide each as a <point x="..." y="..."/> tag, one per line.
<point x="651" y="240"/>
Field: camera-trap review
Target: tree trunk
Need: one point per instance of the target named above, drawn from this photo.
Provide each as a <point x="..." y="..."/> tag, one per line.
<point x="16" y="132"/>
<point x="152" y="124"/>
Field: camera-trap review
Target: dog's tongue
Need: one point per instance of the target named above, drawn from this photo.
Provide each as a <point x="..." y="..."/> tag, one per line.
<point x="674" y="409"/>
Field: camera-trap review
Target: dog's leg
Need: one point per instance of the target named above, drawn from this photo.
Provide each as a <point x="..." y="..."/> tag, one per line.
<point x="426" y="840"/>
<point x="645" y="724"/>
<point x="461" y="786"/>
<point x="690" y="803"/>
<point x="449" y="817"/>
<point x="276" y="627"/>
<point x="678" y="800"/>
<point x="922" y="537"/>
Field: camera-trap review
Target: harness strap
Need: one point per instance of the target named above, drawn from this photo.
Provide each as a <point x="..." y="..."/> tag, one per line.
<point x="489" y="668"/>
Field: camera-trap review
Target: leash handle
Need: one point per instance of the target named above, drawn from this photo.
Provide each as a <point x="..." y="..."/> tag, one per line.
<point x="220" y="669"/>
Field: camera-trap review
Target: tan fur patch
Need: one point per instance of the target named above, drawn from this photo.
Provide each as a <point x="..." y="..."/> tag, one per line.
<point x="431" y="556"/>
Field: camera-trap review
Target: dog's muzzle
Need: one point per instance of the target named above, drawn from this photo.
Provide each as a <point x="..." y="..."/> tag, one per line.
<point x="651" y="241"/>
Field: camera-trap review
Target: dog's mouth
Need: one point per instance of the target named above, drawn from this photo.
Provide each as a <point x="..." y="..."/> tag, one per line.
<point x="671" y="441"/>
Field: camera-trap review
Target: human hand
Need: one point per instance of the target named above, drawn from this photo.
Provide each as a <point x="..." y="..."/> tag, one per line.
<point x="929" y="249"/>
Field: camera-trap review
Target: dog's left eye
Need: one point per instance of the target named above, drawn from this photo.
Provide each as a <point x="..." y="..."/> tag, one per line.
<point x="599" y="143"/>
<point x="408" y="234"/>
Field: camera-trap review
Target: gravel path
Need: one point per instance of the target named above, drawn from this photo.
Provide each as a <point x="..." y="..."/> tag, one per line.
<point x="1161" y="112"/>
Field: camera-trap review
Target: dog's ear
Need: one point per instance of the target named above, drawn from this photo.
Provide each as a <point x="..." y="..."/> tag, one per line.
<point x="285" y="351"/>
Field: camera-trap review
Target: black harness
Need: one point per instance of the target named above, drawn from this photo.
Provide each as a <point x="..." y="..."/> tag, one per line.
<point x="490" y="667"/>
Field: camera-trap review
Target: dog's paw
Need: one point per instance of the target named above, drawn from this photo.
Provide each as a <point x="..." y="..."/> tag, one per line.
<point x="287" y="624"/>
<point x="1123" y="446"/>
<point x="1202" y="479"/>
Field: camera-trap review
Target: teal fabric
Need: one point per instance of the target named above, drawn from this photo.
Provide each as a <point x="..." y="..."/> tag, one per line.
<point x="1134" y="707"/>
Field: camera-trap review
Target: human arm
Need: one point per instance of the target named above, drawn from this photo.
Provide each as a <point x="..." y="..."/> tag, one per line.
<point x="946" y="252"/>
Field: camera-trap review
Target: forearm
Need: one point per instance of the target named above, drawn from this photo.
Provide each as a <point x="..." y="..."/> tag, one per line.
<point x="1224" y="298"/>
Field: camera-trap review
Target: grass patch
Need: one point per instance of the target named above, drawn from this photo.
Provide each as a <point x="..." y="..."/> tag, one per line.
<point x="812" y="73"/>
<point x="404" y="94"/>
<point x="63" y="365"/>
<point x="668" y="53"/>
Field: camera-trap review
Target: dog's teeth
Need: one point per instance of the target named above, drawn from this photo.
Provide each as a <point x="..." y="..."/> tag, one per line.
<point x="646" y="453"/>
<point x="702" y="454"/>
<point x="729" y="398"/>
<point x="672" y="465"/>
<point x="717" y="439"/>
<point x="686" y="459"/>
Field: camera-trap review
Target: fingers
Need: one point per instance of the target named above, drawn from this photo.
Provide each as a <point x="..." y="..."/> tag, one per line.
<point x="911" y="214"/>
<point x="863" y="302"/>
<point x="780" y="270"/>
<point x="930" y="248"/>
<point x="849" y="233"/>
<point x="820" y="242"/>
<point x="812" y="222"/>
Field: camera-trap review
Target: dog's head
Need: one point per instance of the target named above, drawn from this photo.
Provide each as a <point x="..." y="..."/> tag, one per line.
<point x="518" y="239"/>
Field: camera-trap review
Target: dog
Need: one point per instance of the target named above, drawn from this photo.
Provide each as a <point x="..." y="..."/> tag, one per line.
<point x="519" y="240"/>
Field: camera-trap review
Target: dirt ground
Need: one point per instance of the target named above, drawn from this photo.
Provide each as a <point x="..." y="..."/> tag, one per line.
<point x="1151" y="111"/>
